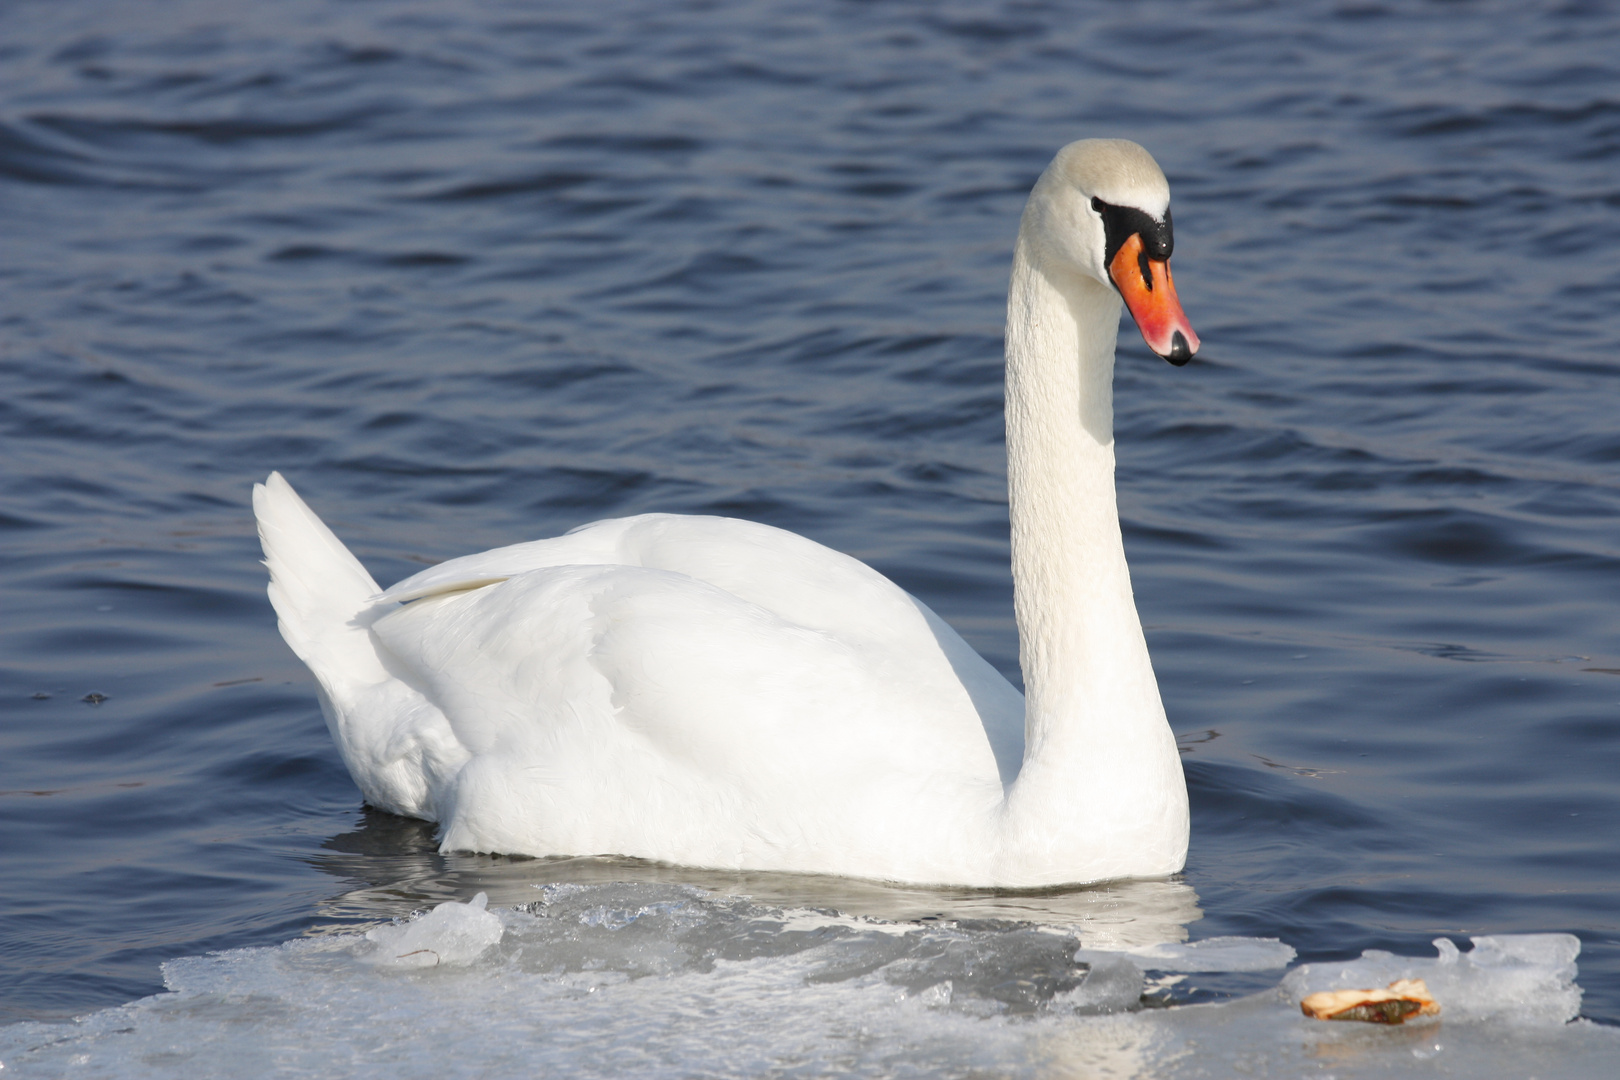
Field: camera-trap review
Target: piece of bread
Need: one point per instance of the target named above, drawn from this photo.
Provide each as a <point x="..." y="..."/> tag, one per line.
<point x="1402" y="1000"/>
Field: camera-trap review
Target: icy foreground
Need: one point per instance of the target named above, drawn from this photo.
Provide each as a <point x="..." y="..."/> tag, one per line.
<point x="660" y="980"/>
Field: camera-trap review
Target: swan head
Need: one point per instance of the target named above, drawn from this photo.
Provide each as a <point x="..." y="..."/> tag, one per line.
<point x="1102" y="209"/>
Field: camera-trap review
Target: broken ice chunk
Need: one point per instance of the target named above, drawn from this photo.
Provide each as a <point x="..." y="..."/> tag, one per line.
<point x="1114" y="984"/>
<point x="450" y="934"/>
<point x="1404" y="999"/>
<point x="1215" y="954"/>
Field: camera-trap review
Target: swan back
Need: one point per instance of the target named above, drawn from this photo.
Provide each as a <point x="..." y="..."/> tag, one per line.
<point x="797" y="580"/>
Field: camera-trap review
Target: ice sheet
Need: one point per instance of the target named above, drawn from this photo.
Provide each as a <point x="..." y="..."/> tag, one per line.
<point x="658" y="980"/>
<point x="1523" y="979"/>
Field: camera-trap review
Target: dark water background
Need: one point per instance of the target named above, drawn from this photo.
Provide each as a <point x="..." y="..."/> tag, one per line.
<point x="474" y="273"/>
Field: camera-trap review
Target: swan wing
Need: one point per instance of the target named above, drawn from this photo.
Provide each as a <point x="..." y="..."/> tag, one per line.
<point x="800" y="580"/>
<point x="619" y="708"/>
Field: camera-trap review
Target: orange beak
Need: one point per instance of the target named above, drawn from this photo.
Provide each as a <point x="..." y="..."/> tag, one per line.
<point x="1151" y="295"/>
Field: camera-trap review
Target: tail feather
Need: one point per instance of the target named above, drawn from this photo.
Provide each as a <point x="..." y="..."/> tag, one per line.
<point x="318" y="589"/>
<point x="398" y="745"/>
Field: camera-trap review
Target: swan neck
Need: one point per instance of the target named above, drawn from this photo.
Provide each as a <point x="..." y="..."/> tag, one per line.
<point x="1099" y="758"/>
<point x="1071" y="584"/>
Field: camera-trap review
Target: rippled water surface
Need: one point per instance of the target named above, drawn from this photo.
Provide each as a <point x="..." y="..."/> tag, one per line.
<point x="474" y="273"/>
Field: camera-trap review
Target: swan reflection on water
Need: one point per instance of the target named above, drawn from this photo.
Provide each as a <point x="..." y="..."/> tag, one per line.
<point x="397" y="868"/>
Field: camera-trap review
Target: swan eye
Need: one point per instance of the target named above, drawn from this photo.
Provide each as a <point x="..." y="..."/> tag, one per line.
<point x="1120" y="223"/>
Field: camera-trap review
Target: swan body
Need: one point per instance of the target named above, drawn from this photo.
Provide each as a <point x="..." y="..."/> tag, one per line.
<point x="721" y="693"/>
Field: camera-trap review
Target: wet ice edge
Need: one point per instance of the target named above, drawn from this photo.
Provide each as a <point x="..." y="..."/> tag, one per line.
<point x="661" y="980"/>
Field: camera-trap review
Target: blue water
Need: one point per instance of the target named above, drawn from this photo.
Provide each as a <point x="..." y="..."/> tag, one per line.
<point x="474" y="273"/>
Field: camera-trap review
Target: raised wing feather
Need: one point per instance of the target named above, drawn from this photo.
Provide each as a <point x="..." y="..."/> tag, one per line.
<point x="798" y="580"/>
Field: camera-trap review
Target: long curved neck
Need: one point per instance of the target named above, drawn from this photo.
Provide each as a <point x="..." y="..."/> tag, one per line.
<point x="1099" y="758"/>
<point x="1072" y="589"/>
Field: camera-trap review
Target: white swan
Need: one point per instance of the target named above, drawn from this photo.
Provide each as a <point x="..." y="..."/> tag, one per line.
<point x="720" y="693"/>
